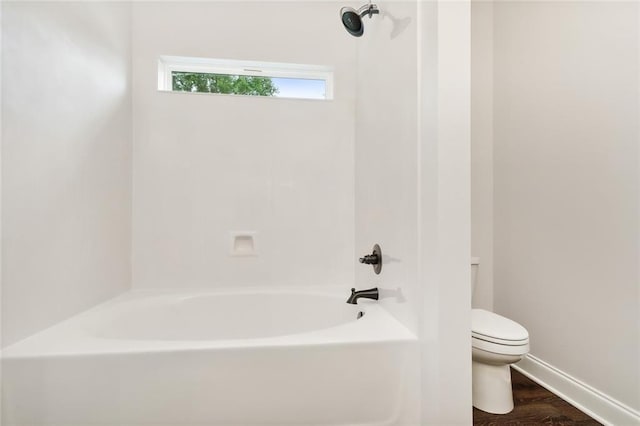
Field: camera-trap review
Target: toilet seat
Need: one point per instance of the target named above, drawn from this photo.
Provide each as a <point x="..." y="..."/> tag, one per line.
<point x="496" y="348"/>
<point x="490" y="331"/>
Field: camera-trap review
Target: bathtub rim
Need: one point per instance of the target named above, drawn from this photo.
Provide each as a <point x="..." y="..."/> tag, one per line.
<point x="69" y="338"/>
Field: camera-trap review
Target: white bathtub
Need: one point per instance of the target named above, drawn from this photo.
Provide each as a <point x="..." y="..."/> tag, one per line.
<point x="241" y="357"/>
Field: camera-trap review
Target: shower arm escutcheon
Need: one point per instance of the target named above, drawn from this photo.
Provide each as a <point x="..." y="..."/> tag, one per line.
<point x="374" y="259"/>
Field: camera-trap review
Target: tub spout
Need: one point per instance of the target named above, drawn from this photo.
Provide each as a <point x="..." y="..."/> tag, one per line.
<point x="371" y="293"/>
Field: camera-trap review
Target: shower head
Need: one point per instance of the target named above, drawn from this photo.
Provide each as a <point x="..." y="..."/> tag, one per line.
<point x="352" y="18"/>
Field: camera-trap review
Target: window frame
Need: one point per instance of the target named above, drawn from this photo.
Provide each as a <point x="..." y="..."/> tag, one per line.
<point x="167" y="65"/>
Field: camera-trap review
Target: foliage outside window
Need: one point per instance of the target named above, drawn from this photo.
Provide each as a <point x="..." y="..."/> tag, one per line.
<point x="221" y="83"/>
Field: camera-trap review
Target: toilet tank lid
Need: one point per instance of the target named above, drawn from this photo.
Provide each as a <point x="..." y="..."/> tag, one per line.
<point x="492" y="325"/>
<point x="475" y="260"/>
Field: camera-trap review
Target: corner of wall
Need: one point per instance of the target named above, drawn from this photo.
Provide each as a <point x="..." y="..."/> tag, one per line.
<point x="445" y="214"/>
<point x="482" y="150"/>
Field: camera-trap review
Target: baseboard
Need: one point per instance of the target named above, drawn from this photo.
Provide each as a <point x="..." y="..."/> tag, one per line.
<point x="596" y="404"/>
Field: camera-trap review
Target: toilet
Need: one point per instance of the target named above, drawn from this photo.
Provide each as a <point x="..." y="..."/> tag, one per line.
<point x="496" y="342"/>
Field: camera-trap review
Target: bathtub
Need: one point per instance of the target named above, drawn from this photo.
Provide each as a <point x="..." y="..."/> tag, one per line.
<point x="224" y="357"/>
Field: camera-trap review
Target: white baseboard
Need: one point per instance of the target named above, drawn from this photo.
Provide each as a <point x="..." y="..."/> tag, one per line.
<point x="594" y="403"/>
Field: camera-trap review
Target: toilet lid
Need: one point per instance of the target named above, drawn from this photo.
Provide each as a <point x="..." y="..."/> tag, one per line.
<point x="495" y="328"/>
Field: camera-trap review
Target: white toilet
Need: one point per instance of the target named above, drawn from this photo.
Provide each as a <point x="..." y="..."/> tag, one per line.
<point x="496" y="342"/>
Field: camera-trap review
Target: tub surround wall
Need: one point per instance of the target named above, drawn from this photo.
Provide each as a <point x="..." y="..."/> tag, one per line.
<point x="412" y="190"/>
<point x="386" y="169"/>
<point x="386" y="176"/>
<point x="66" y="169"/>
<point x="566" y="194"/>
<point x="205" y="165"/>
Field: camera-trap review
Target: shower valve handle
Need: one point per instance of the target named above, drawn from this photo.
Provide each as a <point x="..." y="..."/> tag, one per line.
<point x="374" y="259"/>
<point x="370" y="259"/>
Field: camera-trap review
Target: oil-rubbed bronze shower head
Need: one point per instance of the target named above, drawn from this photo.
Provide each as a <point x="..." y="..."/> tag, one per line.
<point x="352" y="18"/>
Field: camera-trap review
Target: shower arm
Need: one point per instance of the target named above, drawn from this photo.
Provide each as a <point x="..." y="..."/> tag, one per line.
<point x="368" y="9"/>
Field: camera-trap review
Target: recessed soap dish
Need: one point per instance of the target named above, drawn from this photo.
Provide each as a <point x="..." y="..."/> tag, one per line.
<point x="243" y="243"/>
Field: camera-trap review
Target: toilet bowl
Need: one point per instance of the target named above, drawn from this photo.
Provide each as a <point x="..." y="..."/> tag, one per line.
<point x="496" y="342"/>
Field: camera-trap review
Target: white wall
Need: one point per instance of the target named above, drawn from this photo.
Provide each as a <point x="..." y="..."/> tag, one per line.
<point x="1" y="32"/>
<point x="386" y="164"/>
<point x="386" y="167"/>
<point x="412" y="189"/>
<point x="444" y="190"/>
<point x="482" y="150"/>
<point x="66" y="169"/>
<point x="205" y="165"/>
<point x="566" y="187"/>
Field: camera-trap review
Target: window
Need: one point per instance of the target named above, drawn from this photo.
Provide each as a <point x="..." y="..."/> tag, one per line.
<point x="201" y="75"/>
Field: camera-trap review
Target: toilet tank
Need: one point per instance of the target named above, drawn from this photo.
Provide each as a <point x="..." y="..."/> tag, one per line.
<point x="475" y="262"/>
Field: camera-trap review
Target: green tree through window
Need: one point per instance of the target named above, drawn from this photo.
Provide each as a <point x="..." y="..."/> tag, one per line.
<point x="221" y="83"/>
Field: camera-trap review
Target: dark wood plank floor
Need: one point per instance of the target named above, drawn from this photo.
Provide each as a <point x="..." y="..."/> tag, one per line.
<point x="534" y="405"/>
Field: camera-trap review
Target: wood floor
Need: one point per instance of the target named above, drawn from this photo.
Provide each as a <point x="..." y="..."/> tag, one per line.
<point x="534" y="405"/>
